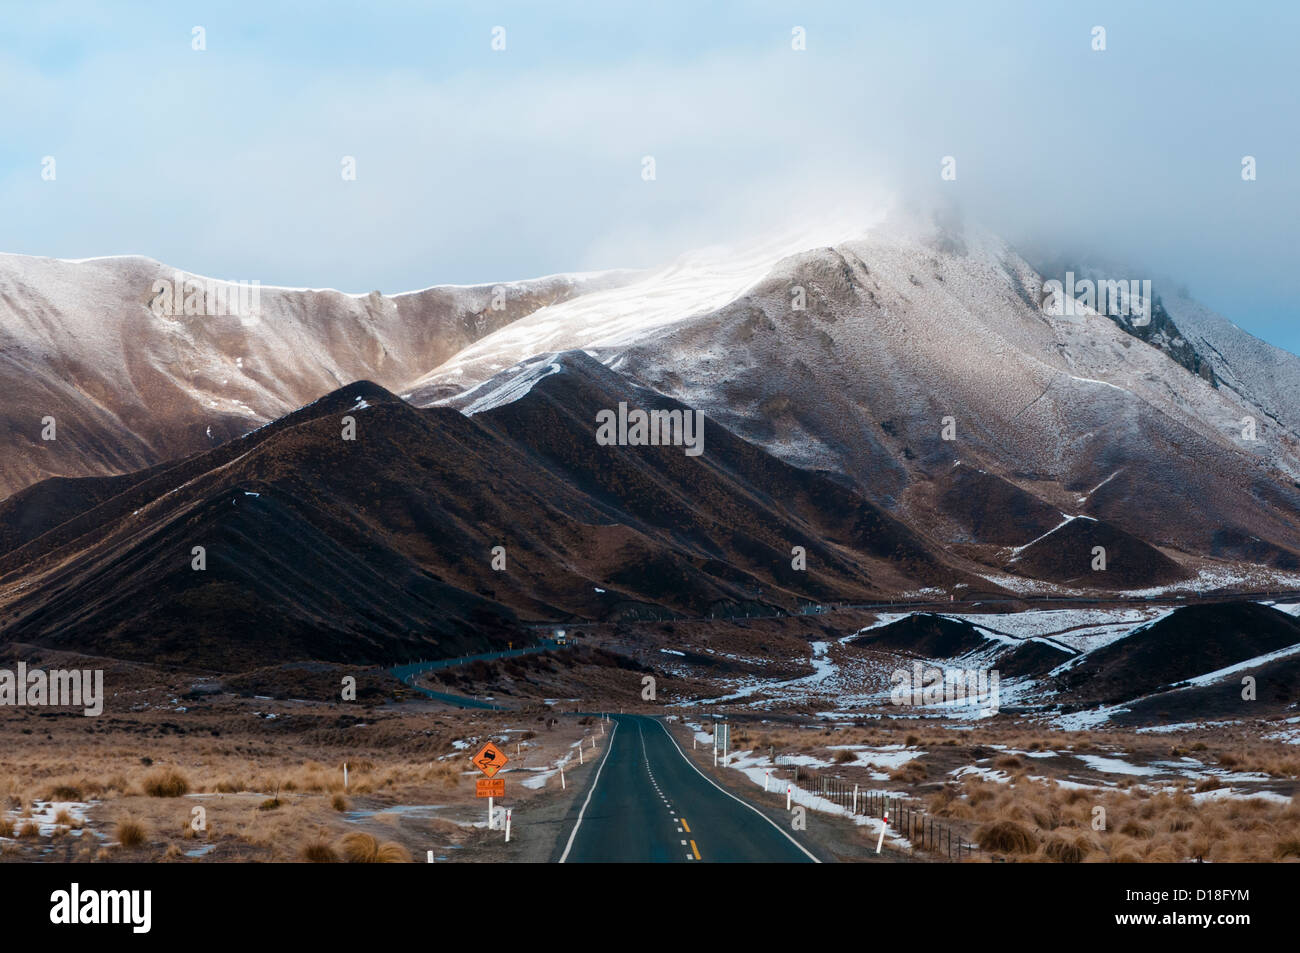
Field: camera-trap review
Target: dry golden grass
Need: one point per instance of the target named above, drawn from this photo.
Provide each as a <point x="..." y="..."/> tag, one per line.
<point x="319" y="851"/>
<point x="391" y="852"/>
<point x="911" y="772"/>
<point x="1007" y="837"/>
<point x="166" y="782"/>
<point x="362" y="848"/>
<point x="131" y="832"/>
<point x="339" y="803"/>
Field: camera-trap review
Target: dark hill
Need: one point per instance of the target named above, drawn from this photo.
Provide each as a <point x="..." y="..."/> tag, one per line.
<point x="1190" y="641"/>
<point x="925" y="635"/>
<point x="380" y="548"/>
<point x="991" y="509"/>
<point x="1065" y="555"/>
<point x="1033" y="657"/>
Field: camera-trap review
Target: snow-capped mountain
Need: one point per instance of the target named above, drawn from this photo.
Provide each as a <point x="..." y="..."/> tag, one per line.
<point x="910" y="333"/>
<point x="138" y="363"/>
<point x="920" y="364"/>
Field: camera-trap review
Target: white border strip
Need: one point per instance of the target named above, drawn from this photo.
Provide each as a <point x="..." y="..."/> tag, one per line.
<point x="596" y="780"/>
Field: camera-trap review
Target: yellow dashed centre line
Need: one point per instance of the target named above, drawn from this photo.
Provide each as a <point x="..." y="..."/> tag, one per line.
<point x="695" y="850"/>
<point x="685" y="826"/>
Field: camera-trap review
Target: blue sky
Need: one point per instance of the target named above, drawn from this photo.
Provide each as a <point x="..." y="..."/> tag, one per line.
<point x="478" y="165"/>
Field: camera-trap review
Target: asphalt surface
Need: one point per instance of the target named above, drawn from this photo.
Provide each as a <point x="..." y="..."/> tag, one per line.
<point x="647" y="803"/>
<point x="407" y="673"/>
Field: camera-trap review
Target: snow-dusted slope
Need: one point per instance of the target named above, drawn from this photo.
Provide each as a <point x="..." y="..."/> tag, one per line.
<point x="128" y="386"/>
<point x="909" y="324"/>
<point x="696" y="284"/>
<point x="1265" y="375"/>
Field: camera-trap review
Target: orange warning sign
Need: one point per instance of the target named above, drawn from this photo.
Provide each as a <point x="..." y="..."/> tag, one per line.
<point x="490" y="787"/>
<point x="490" y="760"/>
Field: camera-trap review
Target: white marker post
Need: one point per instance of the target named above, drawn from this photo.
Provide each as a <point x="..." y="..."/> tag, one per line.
<point x="562" y="786"/>
<point x="507" y="825"/>
<point x="883" y="824"/>
<point x="855" y="799"/>
<point x="767" y="776"/>
<point x="579" y="752"/>
<point x="491" y="816"/>
<point x="430" y="856"/>
<point x="789" y="788"/>
<point x="345" y="775"/>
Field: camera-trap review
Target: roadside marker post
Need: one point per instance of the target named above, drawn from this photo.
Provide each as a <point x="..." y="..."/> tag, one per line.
<point x="767" y="776"/>
<point x="562" y="785"/>
<point x="430" y="856"/>
<point x="345" y="775"/>
<point x="884" y="822"/>
<point x="507" y="825"/>
<point x="579" y="752"/>
<point x="789" y="788"/>
<point x="491" y="815"/>
<point x="855" y="799"/>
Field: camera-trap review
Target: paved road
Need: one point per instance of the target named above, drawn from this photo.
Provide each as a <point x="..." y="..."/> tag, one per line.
<point x="406" y="673"/>
<point x="646" y="803"/>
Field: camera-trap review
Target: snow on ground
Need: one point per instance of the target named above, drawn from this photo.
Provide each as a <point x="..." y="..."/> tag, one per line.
<point x="1290" y="735"/>
<point x="1209" y="678"/>
<point x="512" y="389"/>
<point x="1114" y="765"/>
<point x="1182" y="726"/>
<point x="44" y="813"/>
<point x="1079" y="629"/>
<point x="755" y="768"/>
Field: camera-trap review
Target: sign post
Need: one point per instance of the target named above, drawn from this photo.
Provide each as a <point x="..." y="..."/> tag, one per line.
<point x="490" y="760"/>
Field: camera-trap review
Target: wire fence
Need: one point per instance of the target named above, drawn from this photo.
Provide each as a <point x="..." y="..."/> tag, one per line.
<point x="922" y="830"/>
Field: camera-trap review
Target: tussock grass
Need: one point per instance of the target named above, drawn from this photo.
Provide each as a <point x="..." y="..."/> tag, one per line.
<point x="165" y="782"/>
<point x="362" y="848"/>
<point x="1007" y="837"/>
<point x="359" y="848"/>
<point x="131" y="833"/>
<point x="319" y="852"/>
<point x="392" y="852"/>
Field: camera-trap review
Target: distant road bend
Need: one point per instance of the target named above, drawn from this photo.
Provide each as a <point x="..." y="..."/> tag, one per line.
<point x="648" y="803"/>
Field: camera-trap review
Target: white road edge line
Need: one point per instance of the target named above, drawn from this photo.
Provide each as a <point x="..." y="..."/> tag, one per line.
<point x="729" y="794"/>
<point x="594" y="781"/>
